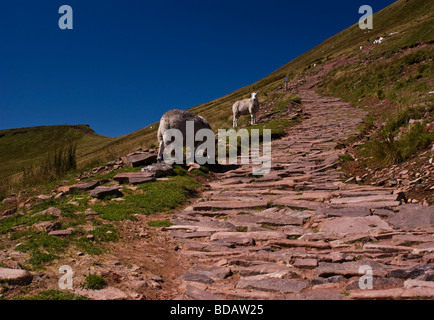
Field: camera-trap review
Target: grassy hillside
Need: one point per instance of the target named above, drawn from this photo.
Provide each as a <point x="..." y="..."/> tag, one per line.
<point x="26" y="147"/>
<point x="412" y="19"/>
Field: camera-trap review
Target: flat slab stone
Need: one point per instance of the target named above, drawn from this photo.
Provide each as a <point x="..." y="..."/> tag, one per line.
<point x="343" y="212"/>
<point x="109" y="293"/>
<point x="413" y="216"/>
<point x="394" y="294"/>
<point x="134" y="177"/>
<point x="199" y="294"/>
<point x="256" y="235"/>
<point x="101" y="192"/>
<point x="305" y="263"/>
<point x="272" y="285"/>
<point x="87" y="186"/>
<point x="61" y="233"/>
<point x="299" y="244"/>
<point x="142" y="159"/>
<point x="384" y="197"/>
<point x="350" y="269"/>
<point x="159" y="169"/>
<point x="210" y="205"/>
<point x="289" y="202"/>
<point x="353" y="225"/>
<point x="15" y="276"/>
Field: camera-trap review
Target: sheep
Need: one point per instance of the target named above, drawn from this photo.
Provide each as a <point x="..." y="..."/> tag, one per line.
<point x="246" y="106"/>
<point x="176" y="119"/>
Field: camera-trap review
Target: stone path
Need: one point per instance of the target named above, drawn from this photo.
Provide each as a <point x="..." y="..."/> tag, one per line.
<point x="300" y="232"/>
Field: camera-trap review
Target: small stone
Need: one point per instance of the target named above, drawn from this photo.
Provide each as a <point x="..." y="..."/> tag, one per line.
<point x="90" y="236"/>
<point x="9" y="212"/>
<point x="53" y="226"/>
<point x="61" y="233"/>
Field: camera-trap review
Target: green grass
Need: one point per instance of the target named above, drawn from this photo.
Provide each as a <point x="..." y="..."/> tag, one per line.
<point x="241" y="229"/>
<point x="94" y="282"/>
<point x="42" y="249"/>
<point x="53" y="295"/>
<point x="159" y="196"/>
<point x="412" y="19"/>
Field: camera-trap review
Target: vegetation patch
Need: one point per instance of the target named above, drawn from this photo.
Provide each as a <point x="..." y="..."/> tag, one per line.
<point x="53" y="295"/>
<point x="94" y="282"/>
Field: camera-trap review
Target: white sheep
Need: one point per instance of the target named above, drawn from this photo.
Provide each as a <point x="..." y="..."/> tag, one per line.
<point x="246" y="106"/>
<point x="176" y="119"/>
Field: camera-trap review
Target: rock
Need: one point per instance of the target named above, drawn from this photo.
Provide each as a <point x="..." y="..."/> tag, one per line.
<point x="44" y="197"/>
<point x="61" y="233"/>
<point x="15" y="276"/>
<point x="199" y="294"/>
<point x="394" y="294"/>
<point x="256" y="235"/>
<point x="377" y="283"/>
<point x="193" y="166"/>
<point x="101" y="192"/>
<point x="235" y="204"/>
<point x="350" y="269"/>
<point x="109" y="293"/>
<point x="159" y="169"/>
<point x="413" y="216"/>
<point x="9" y="200"/>
<point x="53" y="226"/>
<point x="418" y="284"/>
<point x="141" y="159"/>
<point x="305" y="263"/>
<point x="9" y="212"/>
<point x="332" y="279"/>
<point x="134" y="177"/>
<point x="52" y="211"/>
<point x="272" y="285"/>
<point x="354" y="225"/>
<point x="87" y="186"/>
<point x="299" y="243"/>
<point x="411" y="272"/>
<point x="193" y="277"/>
<point x="268" y="270"/>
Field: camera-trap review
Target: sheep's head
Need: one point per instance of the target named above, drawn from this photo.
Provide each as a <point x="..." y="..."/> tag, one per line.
<point x="254" y="94"/>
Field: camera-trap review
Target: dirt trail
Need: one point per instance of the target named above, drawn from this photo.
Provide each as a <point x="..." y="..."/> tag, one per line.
<point x="302" y="232"/>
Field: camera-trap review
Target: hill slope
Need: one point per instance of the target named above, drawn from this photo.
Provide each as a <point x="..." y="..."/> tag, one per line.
<point x="412" y="19"/>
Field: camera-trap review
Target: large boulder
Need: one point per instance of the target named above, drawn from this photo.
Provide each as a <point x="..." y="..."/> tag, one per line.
<point x="159" y="169"/>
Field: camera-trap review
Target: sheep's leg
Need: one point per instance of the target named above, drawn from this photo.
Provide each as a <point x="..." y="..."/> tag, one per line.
<point x="252" y="118"/>
<point x="160" y="151"/>
<point x="235" y="122"/>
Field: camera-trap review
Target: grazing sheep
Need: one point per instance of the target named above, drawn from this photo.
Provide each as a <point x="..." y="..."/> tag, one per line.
<point x="246" y="106"/>
<point x="176" y="119"/>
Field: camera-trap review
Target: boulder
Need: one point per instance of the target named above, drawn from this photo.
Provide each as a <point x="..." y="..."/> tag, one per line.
<point x="159" y="169"/>
<point x="134" y="177"/>
<point x="101" y="192"/>
<point x="15" y="276"/>
<point x="87" y="186"/>
<point x="141" y="159"/>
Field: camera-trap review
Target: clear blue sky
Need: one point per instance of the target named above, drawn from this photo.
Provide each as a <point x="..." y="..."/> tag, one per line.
<point x="126" y="62"/>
